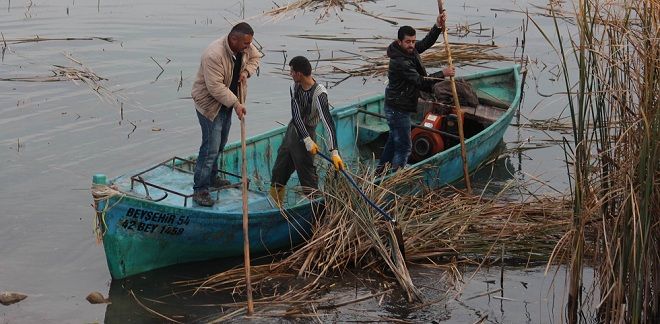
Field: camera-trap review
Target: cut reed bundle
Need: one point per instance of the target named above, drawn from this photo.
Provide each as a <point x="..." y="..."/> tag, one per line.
<point x="437" y="226"/>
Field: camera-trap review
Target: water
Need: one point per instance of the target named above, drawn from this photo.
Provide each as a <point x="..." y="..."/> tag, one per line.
<point x="55" y="135"/>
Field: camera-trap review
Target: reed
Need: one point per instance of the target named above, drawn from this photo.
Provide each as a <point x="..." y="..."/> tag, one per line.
<point x="441" y="229"/>
<point x="613" y="100"/>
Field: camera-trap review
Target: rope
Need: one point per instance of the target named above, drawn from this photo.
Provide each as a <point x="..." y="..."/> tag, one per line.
<point x="103" y="193"/>
<point x="371" y="203"/>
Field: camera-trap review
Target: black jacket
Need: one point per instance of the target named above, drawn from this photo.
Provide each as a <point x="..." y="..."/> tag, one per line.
<point x="406" y="72"/>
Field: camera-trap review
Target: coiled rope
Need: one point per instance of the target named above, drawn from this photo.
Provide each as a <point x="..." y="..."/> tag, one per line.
<point x="103" y="193"/>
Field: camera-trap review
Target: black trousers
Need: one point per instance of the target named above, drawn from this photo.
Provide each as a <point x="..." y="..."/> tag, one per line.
<point x="293" y="156"/>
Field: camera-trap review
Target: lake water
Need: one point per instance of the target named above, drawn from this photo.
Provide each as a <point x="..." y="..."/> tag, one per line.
<point x="55" y="135"/>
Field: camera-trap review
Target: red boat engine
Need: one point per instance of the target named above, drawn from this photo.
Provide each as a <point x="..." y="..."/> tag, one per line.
<point x="426" y="143"/>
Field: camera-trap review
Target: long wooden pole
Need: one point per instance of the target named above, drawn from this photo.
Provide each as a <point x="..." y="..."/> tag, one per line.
<point x="246" y="239"/>
<point x="457" y="106"/>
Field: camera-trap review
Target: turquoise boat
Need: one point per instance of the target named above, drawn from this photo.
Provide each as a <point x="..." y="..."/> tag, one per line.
<point x="147" y="219"/>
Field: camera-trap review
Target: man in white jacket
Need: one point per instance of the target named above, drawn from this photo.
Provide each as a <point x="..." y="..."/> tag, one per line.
<point x="225" y="66"/>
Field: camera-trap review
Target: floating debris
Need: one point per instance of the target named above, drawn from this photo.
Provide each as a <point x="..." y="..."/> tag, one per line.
<point x="76" y="74"/>
<point x="7" y="297"/>
<point x="327" y="7"/>
<point x="96" y="297"/>
<point x="436" y="56"/>
<point x="44" y="39"/>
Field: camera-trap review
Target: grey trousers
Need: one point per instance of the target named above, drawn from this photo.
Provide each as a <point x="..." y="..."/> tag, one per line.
<point x="292" y="156"/>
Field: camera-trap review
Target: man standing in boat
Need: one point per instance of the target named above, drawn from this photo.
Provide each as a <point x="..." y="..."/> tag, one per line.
<point x="225" y="66"/>
<point x="406" y="78"/>
<point x="309" y="105"/>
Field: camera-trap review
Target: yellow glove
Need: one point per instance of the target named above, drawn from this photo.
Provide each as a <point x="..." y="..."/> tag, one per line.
<point x="277" y="193"/>
<point x="311" y="146"/>
<point x="336" y="161"/>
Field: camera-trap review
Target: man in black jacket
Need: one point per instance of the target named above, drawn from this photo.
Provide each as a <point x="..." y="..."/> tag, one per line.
<point x="406" y="78"/>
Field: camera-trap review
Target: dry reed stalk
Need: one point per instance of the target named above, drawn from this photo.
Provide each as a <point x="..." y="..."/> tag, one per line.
<point x="326" y="7"/>
<point x="437" y="226"/>
<point x="614" y="157"/>
<point x="464" y="53"/>
<point x="45" y="39"/>
<point x="79" y="73"/>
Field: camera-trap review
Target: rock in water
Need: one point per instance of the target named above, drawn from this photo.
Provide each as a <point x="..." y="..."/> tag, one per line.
<point x="97" y="298"/>
<point x="7" y="297"/>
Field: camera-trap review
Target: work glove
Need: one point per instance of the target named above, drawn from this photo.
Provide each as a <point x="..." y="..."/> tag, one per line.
<point x="310" y="145"/>
<point x="277" y="193"/>
<point x="336" y="161"/>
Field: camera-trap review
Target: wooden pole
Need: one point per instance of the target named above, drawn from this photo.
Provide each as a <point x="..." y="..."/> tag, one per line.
<point x="246" y="239"/>
<point x="457" y="106"/>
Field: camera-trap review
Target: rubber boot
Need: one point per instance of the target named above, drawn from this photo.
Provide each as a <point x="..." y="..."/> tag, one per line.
<point x="277" y="193"/>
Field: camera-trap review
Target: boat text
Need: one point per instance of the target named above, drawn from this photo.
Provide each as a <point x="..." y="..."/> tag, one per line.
<point x="147" y="221"/>
<point x="156" y="217"/>
<point x="133" y="225"/>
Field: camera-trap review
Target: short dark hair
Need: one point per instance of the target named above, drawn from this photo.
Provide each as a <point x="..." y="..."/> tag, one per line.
<point x="242" y="28"/>
<point x="301" y="64"/>
<point x="406" y="31"/>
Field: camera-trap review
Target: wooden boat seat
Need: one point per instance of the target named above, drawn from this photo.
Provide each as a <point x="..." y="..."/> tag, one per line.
<point x="368" y="133"/>
<point x="483" y="114"/>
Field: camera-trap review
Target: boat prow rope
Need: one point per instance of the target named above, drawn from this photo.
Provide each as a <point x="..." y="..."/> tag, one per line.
<point x="103" y="193"/>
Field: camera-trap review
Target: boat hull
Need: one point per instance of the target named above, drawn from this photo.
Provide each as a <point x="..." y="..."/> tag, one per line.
<point x="141" y="236"/>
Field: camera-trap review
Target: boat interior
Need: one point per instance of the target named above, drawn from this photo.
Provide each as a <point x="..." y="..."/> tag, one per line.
<point x="362" y="133"/>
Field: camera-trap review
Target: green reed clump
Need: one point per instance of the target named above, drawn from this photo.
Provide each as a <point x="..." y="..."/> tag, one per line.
<point x="613" y="100"/>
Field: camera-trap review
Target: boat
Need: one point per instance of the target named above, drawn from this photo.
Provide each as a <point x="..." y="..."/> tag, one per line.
<point x="147" y="219"/>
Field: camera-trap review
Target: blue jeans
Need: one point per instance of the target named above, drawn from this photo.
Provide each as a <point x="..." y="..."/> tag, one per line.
<point x="399" y="143"/>
<point x="214" y="138"/>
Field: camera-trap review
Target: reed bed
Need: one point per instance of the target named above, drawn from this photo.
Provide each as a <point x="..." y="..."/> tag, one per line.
<point x="440" y="229"/>
<point x="614" y="158"/>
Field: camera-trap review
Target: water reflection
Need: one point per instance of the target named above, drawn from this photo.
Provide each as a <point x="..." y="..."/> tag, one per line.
<point x="157" y="290"/>
<point x="526" y="295"/>
<point x="495" y="176"/>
